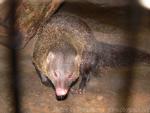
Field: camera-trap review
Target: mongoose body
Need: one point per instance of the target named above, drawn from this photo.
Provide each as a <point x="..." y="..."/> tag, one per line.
<point x="66" y="49"/>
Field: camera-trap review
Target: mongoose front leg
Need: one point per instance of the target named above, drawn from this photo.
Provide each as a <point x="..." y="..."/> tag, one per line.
<point x="85" y="78"/>
<point x="43" y="78"/>
<point x="83" y="81"/>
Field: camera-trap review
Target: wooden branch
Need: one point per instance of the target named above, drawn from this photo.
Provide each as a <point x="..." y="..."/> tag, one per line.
<point x="38" y="19"/>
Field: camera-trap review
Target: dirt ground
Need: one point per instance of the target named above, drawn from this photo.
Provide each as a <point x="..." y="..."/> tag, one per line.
<point x="105" y="93"/>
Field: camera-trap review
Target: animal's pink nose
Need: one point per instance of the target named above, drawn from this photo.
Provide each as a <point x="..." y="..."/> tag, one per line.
<point x="61" y="92"/>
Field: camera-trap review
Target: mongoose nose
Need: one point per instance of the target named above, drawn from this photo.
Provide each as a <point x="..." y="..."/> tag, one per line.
<point x="62" y="97"/>
<point x="61" y="91"/>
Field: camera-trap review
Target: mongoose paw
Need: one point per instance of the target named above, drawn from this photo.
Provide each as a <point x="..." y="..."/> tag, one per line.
<point x="77" y="91"/>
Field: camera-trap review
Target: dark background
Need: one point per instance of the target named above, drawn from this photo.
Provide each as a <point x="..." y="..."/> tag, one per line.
<point x="113" y="90"/>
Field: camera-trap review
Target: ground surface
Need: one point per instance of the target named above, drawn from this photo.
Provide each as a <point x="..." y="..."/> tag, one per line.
<point x="105" y="94"/>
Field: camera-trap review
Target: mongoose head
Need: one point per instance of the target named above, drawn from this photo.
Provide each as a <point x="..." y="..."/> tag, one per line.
<point x="63" y="71"/>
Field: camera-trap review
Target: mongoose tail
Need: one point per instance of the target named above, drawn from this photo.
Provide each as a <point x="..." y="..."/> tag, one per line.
<point x="119" y="55"/>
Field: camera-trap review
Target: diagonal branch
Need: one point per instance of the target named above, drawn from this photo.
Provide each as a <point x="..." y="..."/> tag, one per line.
<point x="47" y="12"/>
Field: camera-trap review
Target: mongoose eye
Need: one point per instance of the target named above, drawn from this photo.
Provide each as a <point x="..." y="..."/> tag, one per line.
<point x="70" y="76"/>
<point x="55" y="75"/>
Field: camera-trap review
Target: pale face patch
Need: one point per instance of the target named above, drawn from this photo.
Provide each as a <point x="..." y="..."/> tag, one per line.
<point x="63" y="69"/>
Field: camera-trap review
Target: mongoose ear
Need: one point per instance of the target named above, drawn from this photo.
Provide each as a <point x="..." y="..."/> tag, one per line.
<point x="50" y="57"/>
